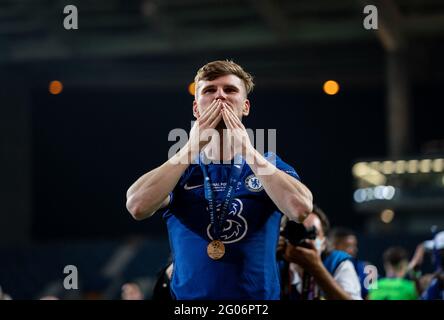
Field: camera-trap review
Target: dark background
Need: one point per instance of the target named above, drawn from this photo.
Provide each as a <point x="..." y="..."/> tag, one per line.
<point x="68" y="159"/>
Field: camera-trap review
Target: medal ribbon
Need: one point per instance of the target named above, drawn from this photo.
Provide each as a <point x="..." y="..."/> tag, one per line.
<point x="215" y="220"/>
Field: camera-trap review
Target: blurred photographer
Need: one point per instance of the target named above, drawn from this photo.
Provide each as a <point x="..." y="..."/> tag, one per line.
<point x="435" y="290"/>
<point x="344" y="239"/>
<point x="308" y="270"/>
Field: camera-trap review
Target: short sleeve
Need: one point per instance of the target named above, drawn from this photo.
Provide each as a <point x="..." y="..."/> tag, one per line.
<point x="346" y="276"/>
<point x="165" y="210"/>
<point x="281" y="165"/>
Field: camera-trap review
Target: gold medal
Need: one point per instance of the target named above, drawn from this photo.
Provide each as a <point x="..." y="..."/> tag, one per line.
<point x="216" y="249"/>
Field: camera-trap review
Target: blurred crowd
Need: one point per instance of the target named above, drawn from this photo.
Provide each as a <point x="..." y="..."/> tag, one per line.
<point x="317" y="261"/>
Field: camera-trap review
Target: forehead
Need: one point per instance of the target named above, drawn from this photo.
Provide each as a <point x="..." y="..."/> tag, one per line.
<point x="229" y="79"/>
<point x="347" y="241"/>
<point x="350" y="238"/>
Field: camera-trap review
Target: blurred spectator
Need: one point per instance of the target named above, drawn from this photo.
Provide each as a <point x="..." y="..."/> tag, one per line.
<point x="4" y="296"/>
<point x="161" y="289"/>
<point x="131" y="291"/>
<point x="394" y="286"/>
<point x="435" y="290"/>
<point x="312" y="268"/>
<point x="424" y="282"/>
<point x="345" y="240"/>
<point x="49" y="298"/>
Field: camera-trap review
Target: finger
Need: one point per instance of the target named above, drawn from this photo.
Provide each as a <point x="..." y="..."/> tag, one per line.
<point x="301" y="250"/>
<point x="290" y="252"/>
<point x="238" y="121"/>
<point x="213" y="115"/>
<point x="224" y="117"/>
<point x="309" y="245"/>
<point x="207" y="109"/>
<point x="206" y="113"/>
<point x="228" y="120"/>
<point x="227" y="107"/>
<point x="229" y="117"/>
<point x="214" y="123"/>
<point x="236" y="125"/>
<point x="234" y="118"/>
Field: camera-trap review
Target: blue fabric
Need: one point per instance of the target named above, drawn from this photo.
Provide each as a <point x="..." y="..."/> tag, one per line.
<point x="360" y="270"/>
<point x="248" y="270"/>
<point x="334" y="259"/>
<point x="435" y="291"/>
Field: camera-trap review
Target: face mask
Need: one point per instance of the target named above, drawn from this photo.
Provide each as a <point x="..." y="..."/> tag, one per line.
<point x="319" y="243"/>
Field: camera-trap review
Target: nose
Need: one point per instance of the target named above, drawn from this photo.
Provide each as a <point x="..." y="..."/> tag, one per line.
<point x="220" y="94"/>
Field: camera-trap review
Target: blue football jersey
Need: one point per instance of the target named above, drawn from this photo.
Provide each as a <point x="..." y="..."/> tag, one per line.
<point x="248" y="270"/>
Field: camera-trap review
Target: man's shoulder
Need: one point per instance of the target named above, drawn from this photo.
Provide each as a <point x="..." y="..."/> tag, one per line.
<point x="334" y="258"/>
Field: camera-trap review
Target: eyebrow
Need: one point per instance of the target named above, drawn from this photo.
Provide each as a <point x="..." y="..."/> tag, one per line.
<point x="225" y="86"/>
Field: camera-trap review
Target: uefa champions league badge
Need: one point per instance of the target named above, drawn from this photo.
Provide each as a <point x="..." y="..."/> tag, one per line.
<point x="253" y="184"/>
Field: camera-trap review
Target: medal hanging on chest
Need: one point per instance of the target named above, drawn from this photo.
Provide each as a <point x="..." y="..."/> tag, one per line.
<point x="216" y="248"/>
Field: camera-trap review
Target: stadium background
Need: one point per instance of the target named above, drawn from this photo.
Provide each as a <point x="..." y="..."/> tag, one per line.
<point x="68" y="158"/>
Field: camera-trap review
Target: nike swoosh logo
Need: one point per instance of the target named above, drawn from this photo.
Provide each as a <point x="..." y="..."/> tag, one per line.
<point x="187" y="187"/>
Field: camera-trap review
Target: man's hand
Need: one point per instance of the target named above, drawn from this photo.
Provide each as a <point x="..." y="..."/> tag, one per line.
<point x="308" y="258"/>
<point x="237" y="134"/>
<point x="203" y="128"/>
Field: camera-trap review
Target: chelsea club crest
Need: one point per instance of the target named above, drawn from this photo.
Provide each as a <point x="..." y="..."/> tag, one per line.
<point x="253" y="184"/>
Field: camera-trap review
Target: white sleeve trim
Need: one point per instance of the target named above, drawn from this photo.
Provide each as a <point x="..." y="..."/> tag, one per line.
<point x="346" y="276"/>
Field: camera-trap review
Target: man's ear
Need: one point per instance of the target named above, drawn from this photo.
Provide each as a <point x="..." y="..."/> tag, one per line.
<point x="195" y="110"/>
<point x="246" y="108"/>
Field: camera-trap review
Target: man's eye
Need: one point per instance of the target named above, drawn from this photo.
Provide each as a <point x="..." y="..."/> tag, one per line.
<point x="209" y="90"/>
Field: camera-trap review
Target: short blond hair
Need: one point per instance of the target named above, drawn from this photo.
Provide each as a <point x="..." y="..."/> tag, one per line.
<point x="219" y="68"/>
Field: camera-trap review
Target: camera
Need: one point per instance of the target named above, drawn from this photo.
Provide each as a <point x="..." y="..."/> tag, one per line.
<point x="296" y="233"/>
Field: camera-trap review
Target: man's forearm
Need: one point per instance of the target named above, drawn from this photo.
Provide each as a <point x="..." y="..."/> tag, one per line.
<point x="146" y="195"/>
<point x="332" y="290"/>
<point x="289" y="195"/>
